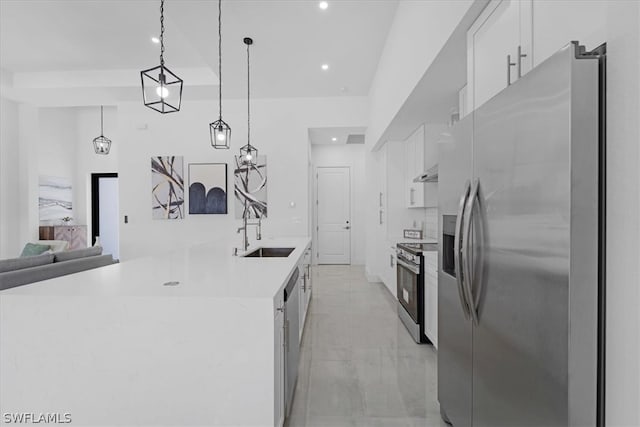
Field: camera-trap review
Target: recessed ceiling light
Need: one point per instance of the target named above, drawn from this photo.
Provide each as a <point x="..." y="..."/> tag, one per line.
<point x="334" y="139"/>
<point x="155" y="40"/>
<point x="323" y="5"/>
<point x="325" y="67"/>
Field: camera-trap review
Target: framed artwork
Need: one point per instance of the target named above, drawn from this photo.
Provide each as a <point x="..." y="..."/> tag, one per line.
<point x="250" y="188"/>
<point x="167" y="187"/>
<point x="207" y="188"/>
<point x="55" y="198"/>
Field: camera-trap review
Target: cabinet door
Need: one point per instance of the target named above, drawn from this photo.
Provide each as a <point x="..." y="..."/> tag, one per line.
<point x="302" y="300"/>
<point x="431" y="307"/>
<point x="494" y="35"/>
<point x="556" y="23"/>
<point x="389" y="277"/>
<point x="278" y="325"/>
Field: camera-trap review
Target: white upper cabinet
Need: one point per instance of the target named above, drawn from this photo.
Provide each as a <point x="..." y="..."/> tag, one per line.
<point x="510" y="37"/>
<point x="491" y="41"/>
<point x="421" y="153"/>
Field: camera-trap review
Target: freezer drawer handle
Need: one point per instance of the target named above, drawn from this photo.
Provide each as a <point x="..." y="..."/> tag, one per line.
<point x="457" y="249"/>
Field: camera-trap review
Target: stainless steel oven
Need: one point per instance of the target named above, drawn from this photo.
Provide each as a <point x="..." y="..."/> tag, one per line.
<point x="410" y="288"/>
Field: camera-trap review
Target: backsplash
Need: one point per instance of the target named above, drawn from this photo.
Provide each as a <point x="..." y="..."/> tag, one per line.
<point x="431" y="223"/>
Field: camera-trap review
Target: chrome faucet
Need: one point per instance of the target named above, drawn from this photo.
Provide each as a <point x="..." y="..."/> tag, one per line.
<point x="245" y="237"/>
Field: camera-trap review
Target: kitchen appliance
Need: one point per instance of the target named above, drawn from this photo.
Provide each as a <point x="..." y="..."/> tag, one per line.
<point x="291" y="337"/>
<point x="410" y="287"/>
<point x="520" y="322"/>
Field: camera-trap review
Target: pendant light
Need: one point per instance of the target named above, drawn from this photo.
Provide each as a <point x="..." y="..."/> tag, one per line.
<point x="220" y="130"/>
<point x="161" y="89"/>
<point x="101" y="144"/>
<point x="248" y="153"/>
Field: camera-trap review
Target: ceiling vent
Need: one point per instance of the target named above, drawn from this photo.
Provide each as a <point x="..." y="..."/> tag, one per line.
<point x="355" y="139"/>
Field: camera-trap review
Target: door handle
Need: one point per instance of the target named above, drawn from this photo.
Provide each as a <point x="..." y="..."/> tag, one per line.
<point x="411" y="268"/>
<point x="468" y="276"/>
<point x="520" y="56"/>
<point x="457" y="249"/>
<point x="509" y="65"/>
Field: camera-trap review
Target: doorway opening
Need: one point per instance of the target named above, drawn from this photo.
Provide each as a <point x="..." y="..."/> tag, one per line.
<point x="105" y="225"/>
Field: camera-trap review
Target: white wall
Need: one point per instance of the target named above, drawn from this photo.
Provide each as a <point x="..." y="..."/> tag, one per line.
<point x="87" y="161"/>
<point x="622" y="23"/>
<point x="279" y="129"/>
<point x="352" y="156"/>
<point x="9" y="179"/>
<point x="418" y="32"/>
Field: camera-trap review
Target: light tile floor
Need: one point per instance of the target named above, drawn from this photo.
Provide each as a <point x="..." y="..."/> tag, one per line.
<point x="358" y="364"/>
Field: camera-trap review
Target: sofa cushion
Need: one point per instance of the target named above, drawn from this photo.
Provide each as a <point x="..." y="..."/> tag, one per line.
<point x="77" y="253"/>
<point x="32" y="249"/>
<point x="25" y="276"/>
<point x="25" y="262"/>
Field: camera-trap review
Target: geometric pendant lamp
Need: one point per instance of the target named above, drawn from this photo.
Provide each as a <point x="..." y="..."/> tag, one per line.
<point x="101" y="144"/>
<point x="161" y="88"/>
<point x="220" y="130"/>
<point x="248" y="153"/>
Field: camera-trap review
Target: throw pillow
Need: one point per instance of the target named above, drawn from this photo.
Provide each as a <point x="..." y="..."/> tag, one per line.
<point x="31" y="249"/>
<point x="78" y="253"/>
<point x="25" y="262"/>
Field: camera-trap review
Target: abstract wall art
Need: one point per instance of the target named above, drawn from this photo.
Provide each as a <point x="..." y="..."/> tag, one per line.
<point x="167" y="187"/>
<point x="207" y="188"/>
<point x="251" y="188"/>
<point x="55" y="199"/>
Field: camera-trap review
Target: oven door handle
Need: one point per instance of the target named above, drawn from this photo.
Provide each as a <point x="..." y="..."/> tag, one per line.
<point x="411" y="268"/>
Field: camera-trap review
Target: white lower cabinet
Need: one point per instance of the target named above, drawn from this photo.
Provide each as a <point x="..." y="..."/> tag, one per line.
<point x="389" y="275"/>
<point x="278" y="325"/>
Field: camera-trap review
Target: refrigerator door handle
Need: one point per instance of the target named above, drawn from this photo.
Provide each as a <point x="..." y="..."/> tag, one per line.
<point x="457" y="250"/>
<point x="467" y="253"/>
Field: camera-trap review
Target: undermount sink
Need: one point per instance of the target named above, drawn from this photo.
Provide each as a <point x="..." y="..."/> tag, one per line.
<point x="270" y="253"/>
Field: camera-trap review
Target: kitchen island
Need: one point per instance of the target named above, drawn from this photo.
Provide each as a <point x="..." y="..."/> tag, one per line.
<point x="127" y="345"/>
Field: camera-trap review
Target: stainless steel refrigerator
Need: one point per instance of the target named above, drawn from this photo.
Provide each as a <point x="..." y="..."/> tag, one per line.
<point x="520" y="207"/>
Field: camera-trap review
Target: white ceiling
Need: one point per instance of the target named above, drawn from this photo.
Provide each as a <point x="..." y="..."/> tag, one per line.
<point x="326" y="135"/>
<point x="104" y="38"/>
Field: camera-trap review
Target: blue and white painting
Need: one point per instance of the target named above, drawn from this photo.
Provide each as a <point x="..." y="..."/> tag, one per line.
<point x="207" y="188"/>
<point x="55" y="199"/>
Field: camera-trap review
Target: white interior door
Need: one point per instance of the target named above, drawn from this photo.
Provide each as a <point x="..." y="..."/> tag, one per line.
<point x="334" y="215"/>
<point x="108" y="216"/>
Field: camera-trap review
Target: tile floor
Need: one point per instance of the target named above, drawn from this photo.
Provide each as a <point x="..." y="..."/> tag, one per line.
<point x="358" y="365"/>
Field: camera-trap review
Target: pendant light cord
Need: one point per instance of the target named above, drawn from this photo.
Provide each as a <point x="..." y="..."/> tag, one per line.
<point x="101" y="120"/>
<point x="248" y="98"/>
<point x="162" y="33"/>
<point x="220" y="57"/>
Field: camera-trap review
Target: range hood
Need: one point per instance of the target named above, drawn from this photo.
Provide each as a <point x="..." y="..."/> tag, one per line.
<point x="430" y="175"/>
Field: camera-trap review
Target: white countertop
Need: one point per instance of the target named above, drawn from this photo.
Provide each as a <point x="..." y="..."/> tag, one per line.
<point x="208" y="270"/>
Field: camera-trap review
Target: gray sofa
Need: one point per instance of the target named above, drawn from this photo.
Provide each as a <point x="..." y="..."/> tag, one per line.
<point x="22" y="271"/>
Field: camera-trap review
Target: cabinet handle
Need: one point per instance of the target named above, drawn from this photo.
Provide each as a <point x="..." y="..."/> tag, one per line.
<point x="509" y="65"/>
<point x="381" y="199"/>
<point x="411" y="190"/>
<point x="380" y="217"/>
<point x="391" y="265"/>
<point x="520" y="56"/>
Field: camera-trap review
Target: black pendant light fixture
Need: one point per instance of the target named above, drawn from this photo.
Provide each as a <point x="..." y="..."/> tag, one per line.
<point x="161" y="89"/>
<point x="101" y="144"/>
<point x="220" y="130"/>
<point x="248" y="153"/>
